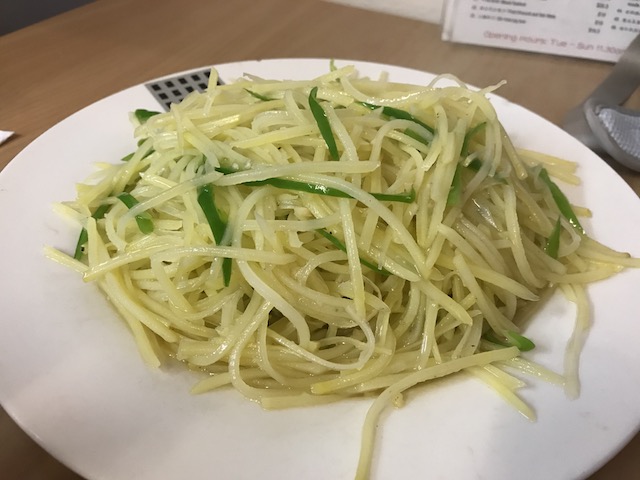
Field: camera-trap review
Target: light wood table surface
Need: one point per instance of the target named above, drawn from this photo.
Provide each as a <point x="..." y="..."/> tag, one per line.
<point x="53" y="68"/>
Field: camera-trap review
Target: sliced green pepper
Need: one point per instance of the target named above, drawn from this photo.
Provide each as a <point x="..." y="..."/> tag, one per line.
<point x="392" y="112"/>
<point x="408" y="197"/>
<point x="323" y="123"/>
<point x="511" y="339"/>
<point x="82" y="239"/>
<point x="144" y="221"/>
<point x="475" y="164"/>
<point x="464" y="151"/>
<point x="258" y="96"/>
<point x="416" y="136"/>
<point x="206" y="200"/>
<point x="553" y="242"/>
<point x="101" y="211"/>
<point x="455" y="191"/>
<point x="126" y="158"/>
<point x="143" y="115"/>
<point x="520" y="341"/>
<point x="84" y="235"/>
<point x="561" y="201"/>
<point x="342" y="247"/>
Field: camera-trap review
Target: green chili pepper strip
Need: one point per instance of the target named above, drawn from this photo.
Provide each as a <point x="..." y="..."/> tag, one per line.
<point x="416" y="136"/>
<point x="392" y="112"/>
<point x="464" y="151"/>
<point x="101" y="211"/>
<point x="299" y="186"/>
<point x="144" y="221"/>
<point x="404" y="115"/>
<point x="553" y="242"/>
<point x="561" y="201"/>
<point x="511" y="339"/>
<point x="82" y="239"/>
<point x="455" y="191"/>
<point x="406" y="197"/>
<point x="342" y="247"/>
<point x="323" y="123"/>
<point x="475" y="165"/>
<point x="258" y="96"/>
<point x="520" y="341"/>
<point x="143" y="115"/>
<point x="328" y="191"/>
<point x="84" y="235"/>
<point x="218" y="226"/>
<point x="126" y="158"/>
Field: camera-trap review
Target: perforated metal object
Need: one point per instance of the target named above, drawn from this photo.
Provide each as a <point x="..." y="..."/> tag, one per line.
<point x="601" y="123"/>
<point x="174" y="89"/>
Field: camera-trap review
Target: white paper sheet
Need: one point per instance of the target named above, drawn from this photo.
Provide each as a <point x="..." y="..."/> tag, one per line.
<point x="4" y="135"/>
<point x="596" y="29"/>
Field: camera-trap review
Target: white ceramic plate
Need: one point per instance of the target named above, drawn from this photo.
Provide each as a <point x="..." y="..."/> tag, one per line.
<point x="71" y="376"/>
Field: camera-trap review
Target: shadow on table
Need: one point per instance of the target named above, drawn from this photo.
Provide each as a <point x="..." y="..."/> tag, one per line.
<point x="25" y="459"/>
<point x="16" y="15"/>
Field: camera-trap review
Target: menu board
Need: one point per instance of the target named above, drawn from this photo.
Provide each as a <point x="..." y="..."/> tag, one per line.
<point x="596" y="29"/>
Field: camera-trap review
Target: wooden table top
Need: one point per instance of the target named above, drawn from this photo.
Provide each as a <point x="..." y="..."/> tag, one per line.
<point x="54" y="68"/>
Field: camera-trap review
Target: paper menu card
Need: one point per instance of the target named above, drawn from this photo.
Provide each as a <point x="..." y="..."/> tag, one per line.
<point x="596" y="29"/>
